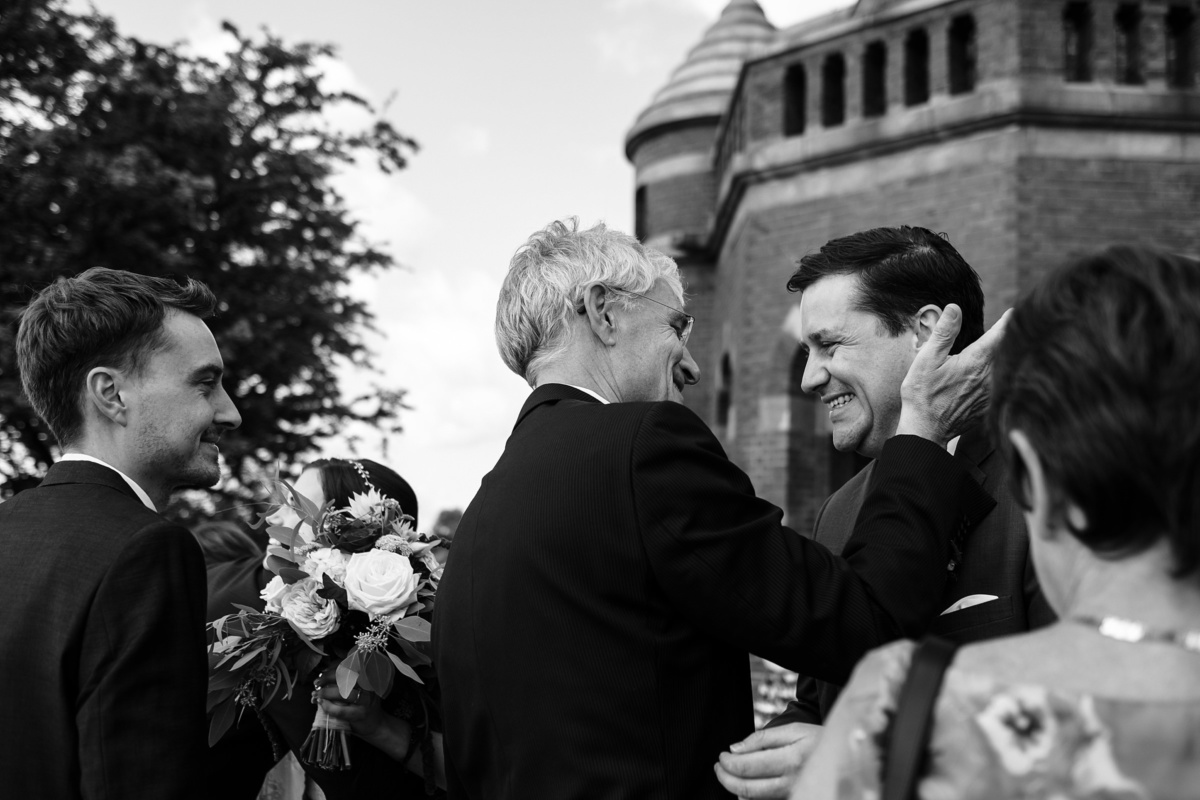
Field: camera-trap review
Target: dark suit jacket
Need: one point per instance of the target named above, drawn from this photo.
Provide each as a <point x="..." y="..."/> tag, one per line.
<point x="608" y="579"/>
<point x="989" y="558"/>
<point x="101" y="643"/>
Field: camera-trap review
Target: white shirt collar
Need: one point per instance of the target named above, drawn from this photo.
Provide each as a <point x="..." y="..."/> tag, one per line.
<point x="145" y="498"/>
<point x="587" y="390"/>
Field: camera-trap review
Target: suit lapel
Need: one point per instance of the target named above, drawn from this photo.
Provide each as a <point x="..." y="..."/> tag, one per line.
<point x="549" y="393"/>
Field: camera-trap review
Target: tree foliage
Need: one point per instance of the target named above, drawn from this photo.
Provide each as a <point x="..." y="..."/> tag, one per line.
<point x="120" y="153"/>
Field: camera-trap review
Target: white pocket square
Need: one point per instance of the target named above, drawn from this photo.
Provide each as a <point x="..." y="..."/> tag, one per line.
<point x="970" y="600"/>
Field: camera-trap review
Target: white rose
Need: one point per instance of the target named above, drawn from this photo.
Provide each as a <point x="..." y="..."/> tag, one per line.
<point x="380" y="583"/>
<point x="273" y="592"/>
<point x="327" y="561"/>
<point x="309" y="613"/>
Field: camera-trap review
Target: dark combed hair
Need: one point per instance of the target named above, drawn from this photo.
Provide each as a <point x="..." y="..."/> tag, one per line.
<point x="101" y="317"/>
<point x="901" y="270"/>
<point x="340" y="481"/>
<point x="1100" y="367"/>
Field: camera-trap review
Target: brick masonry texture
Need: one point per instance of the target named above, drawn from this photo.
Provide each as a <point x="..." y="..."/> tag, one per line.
<point x="1016" y="195"/>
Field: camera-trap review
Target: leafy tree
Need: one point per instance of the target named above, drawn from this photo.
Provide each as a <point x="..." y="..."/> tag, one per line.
<point x="120" y="153"/>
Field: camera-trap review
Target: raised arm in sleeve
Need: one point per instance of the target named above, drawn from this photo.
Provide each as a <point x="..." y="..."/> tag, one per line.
<point x="725" y="559"/>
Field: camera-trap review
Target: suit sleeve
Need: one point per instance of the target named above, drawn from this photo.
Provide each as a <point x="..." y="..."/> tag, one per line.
<point x="725" y="559"/>
<point x="140" y="712"/>
<point x="806" y="705"/>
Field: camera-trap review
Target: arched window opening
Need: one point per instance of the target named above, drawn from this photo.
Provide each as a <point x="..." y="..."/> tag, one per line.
<point x="639" y="213"/>
<point x="962" y="54"/>
<point x="725" y="392"/>
<point x="916" y="68"/>
<point x="795" y="100"/>
<point x="1181" y="70"/>
<point x="874" y="85"/>
<point x="1077" y="42"/>
<point x="833" y="91"/>
<point x="1128" y="24"/>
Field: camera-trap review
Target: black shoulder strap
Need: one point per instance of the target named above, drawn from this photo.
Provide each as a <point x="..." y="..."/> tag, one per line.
<point x="909" y="736"/>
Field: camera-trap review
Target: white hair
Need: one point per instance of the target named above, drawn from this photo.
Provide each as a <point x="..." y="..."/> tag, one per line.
<point x="546" y="281"/>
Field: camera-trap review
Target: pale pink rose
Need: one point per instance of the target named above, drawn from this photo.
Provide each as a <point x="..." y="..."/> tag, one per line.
<point x="380" y="583"/>
<point x="326" y="561"/>
<point x="309" y="613"/>
<point x="273" y="593"/>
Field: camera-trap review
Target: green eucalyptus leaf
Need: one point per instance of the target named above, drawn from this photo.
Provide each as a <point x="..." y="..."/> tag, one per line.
<point x="405" y="669"/>
<point x="414" y="629"/>
<point x="221" y="720"/>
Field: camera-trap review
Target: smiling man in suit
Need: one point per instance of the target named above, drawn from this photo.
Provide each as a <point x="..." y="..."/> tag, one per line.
<point x="868" y="302"/>
<point x="615" y="567"/>
<point x="103" y="633"/>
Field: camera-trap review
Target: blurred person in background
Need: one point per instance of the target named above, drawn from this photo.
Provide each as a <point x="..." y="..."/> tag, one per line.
<point x="1095" y="398"/>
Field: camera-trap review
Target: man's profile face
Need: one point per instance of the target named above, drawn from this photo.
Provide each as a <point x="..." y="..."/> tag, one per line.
<point x="854" y="365"/>
<point x="179" y="409"/>
<point x="653" y="363"/>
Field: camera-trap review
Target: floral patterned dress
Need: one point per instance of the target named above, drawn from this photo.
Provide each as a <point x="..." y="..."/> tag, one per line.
<point x="999" y="741"/>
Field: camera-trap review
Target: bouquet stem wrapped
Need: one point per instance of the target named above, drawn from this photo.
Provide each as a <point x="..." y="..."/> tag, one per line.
<point x="326" y="746"/>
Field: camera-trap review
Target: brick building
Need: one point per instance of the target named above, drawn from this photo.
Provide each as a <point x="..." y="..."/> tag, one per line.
<point x="1027" y="130"/>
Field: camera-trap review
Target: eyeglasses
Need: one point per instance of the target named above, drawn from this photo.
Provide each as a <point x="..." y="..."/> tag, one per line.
<point x="684" y="332"/>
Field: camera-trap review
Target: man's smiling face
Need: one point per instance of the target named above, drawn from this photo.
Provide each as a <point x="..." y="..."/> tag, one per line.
<point x="854" y="365"/>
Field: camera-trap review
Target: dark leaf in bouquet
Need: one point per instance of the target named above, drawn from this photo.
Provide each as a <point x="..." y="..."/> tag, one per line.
<point x="377" y="674"/>
<point x="284" y="535"/>
<point x="414" y="656"/>
<point x="218" y="681"/>
<point x="290" y="575"/>
<point x="348" y="672"/>
<point x="215" y="697"/>
<point x="246" y="659"/>
<point x="222" y="719"/>
<point x="306" y="663"/>
<point x="330" y="590"/>
<point x="276" y="564"/>
<point x="241" y="619"/>
<point x="282" y="553"/>
<point x="302" y="636"/>
<point x="274" y="689"/>
<point x="287" y="679"/>
<point x="405" y="669"/>
<point x="414" y="629"/>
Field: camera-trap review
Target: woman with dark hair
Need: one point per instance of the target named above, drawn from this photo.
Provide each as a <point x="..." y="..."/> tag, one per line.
<point x="1096" y="397"/>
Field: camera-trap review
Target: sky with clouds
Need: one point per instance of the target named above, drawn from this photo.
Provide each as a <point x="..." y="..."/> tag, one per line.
<point x="520" y="109"/>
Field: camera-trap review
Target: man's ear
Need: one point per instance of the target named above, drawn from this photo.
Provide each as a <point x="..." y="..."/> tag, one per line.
<point x="102" y="391"/>
<point x="598" y="302"/>
<point x="924" y="323"/>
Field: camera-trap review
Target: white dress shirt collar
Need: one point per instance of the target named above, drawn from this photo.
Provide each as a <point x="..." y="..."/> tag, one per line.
<point x="145" y="498"/>
<point x="589" y="391"/>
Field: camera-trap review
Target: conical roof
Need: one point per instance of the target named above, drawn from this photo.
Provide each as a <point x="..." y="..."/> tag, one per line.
<point x="700" y="87"/>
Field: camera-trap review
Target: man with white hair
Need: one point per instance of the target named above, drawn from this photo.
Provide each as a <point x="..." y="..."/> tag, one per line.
<point x="615" y="567"/>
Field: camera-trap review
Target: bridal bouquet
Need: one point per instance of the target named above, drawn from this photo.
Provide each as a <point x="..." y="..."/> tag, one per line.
<point x="355" y="595"/>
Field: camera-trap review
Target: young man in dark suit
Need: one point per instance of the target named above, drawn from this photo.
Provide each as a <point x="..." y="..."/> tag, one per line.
<point x="615" y="567"/>
<point x="103" y="633"/>
<point x="869" y="301"/>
